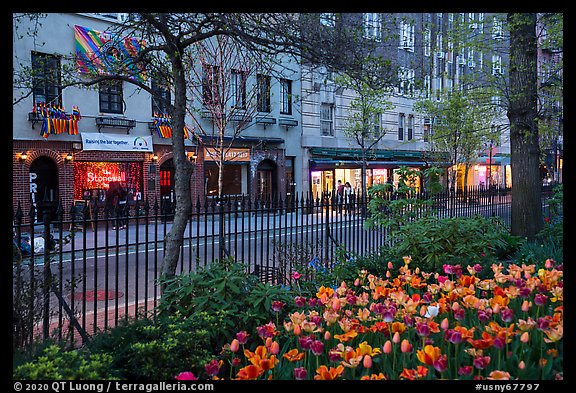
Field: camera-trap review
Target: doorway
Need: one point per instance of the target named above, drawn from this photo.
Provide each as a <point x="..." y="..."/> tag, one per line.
<point x="44" y="187"/>
<point x="167" y="196"/>
<point x="266" y="180"/>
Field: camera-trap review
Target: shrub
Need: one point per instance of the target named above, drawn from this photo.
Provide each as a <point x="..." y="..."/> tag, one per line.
<point x="55" y="363"/>
<point x="434" y="242"/>
<point x="147" y="349"/>
<point x="223" y="286"/>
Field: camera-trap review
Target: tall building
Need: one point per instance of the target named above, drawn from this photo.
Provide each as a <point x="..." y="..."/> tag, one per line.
<point x="434" y="53"/>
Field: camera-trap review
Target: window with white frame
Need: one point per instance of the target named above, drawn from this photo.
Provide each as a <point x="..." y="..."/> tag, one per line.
<point x="238" y="88"/>
<point x="328" y="19"/>
<point x="372" y="26"/>
<point x="286" y="96"/>
<point x="427" y="129"/>
<point x="327" y="119"/>
<point x="410" y="126"/>
<point x="406" y="79"/>
<point x="472" y="20"/>
<point x="470" y="57"/>
<point x="450" y="52"/>
<point x="427" y="41"/>
<point x="497" y="29"/>
<point x="401" y="118"/>
<point x="439" y="46"/>
<point x="407" y="36"/>
<point x="427" y="86"/>
<point x="496" y="65"/>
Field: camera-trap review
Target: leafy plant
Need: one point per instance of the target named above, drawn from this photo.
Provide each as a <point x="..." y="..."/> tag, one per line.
<point x="58" y="364"/>
<point x="148" y="349"/>
<point x="457" y="240"/>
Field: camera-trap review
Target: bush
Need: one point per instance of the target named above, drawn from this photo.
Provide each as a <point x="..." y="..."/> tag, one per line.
<point x="147" y="349"/>
<point x="434" y="242"/>
<point x="57" y="364"/>
<point x="223" y="286"/>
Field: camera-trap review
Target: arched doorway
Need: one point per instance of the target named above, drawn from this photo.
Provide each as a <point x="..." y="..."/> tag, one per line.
<point x="44" y="186"/>
<point x="167" y="196"/>
<point x="266" y="180"/>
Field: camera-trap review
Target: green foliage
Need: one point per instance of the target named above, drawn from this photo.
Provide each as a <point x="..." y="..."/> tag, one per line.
<point x="461" y="240"/>
<point x="223" y="286"/>
<point x="394" y="209"/>
<point x="57" y="364"/>
<point x="148" y="349"/>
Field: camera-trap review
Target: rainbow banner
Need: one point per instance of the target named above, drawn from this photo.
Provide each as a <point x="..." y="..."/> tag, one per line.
<point x="55" y="120"/>
<point x="163" y="124"/>
<point x="102" y="53"/>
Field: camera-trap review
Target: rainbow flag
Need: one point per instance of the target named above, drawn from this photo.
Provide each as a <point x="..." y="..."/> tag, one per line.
<point x="103" y="53"/>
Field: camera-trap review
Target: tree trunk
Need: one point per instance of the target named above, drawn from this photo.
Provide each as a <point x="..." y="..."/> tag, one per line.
<point x="182" y="174"/>
<point x="522" y="112"/>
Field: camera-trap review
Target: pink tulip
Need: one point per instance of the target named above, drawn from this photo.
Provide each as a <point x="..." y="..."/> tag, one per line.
<point x="387" y="347"/>
<point x="235" y="345"/>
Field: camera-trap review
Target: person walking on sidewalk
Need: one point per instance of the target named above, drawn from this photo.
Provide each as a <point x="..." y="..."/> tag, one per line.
<point x="116" y="198"/>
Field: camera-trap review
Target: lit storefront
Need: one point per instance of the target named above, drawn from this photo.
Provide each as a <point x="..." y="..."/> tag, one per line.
<point x="235" y="175"/>
<point x="92" y="179"/>
<point x="327" y="166"/>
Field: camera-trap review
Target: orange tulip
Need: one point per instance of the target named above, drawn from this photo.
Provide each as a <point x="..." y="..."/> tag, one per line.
<point x="428" y="355"/>
<point x="249" y="372"/>
<point x="325" y="374"/>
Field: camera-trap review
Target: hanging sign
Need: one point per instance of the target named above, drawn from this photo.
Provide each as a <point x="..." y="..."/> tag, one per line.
<point x="110" y="142"/>
<point x="231" y="154"/>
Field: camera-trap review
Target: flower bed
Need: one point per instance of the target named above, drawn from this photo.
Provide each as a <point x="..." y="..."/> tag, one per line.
<point x="414" y="325"/>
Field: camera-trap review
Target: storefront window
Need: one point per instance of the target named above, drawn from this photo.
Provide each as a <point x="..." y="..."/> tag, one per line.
<point x="93" y="178"/>
<point x="234" y="179"/>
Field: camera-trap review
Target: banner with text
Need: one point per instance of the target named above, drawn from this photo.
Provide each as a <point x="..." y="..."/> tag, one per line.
<point x="109" y="142"/>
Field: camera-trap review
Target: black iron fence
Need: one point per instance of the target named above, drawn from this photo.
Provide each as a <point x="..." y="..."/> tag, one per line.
<point x="94" y="266"/>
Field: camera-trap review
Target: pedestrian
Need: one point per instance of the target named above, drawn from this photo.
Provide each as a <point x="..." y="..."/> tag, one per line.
<point x="348" y="195"/>
<point x="340" y="195"/>
<point x="116" y="198"/>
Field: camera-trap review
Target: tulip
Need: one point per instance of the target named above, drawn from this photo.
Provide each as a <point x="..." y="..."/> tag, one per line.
<point x="367" y="362"/>
<point x="186" y="376"/>
<point x="405" y="346"/>
<point x="297" y="330"/>
<point x="327" y="335"/>
<point x="522" y="365"/>
<point x="274" y="348"/>
<point x="387" y="347"/>
<point x="524" y="337"/>
<point x="444" y="324"/>
<point x="300" y="373"/>
<point x="396" y="338"/>
<point x="235" y="345"/>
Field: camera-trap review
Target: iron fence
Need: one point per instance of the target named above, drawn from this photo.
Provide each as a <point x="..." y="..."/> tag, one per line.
<point x="93" y="266"/>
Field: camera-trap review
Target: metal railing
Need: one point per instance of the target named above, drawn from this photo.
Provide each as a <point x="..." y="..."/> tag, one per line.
<point x="84" y="271"/>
